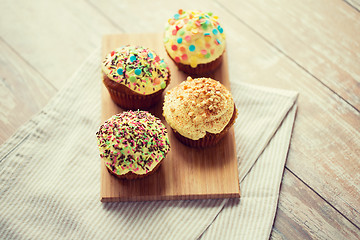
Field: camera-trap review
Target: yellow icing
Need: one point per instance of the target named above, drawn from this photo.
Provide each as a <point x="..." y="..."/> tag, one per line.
<point x="133" y="141"/>
<point x="197" y="106"/>
<point x="138" y="68"/>
<point x="194" y="37"/>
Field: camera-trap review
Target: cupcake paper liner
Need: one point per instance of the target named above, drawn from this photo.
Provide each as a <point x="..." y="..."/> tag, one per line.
<point x="130" y="100"/>
<point x="210" y="139"/>
<point x="131" y="175"/>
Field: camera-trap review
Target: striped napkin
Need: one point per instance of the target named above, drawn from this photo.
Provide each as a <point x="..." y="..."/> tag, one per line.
<point x="50" y="174"/>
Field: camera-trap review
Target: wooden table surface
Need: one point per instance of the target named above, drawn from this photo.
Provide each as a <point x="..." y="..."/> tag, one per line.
<point x="312" y="47"/>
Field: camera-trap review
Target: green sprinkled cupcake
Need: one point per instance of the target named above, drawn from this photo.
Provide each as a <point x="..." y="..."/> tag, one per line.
<point x="135" y="77"/>
<point x="133" y="144"/>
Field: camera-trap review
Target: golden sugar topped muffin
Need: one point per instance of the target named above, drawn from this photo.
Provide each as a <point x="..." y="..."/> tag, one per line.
<point x="194" y="38"/>
<point x="198" y="107"/>
<point x="132" y="144"/>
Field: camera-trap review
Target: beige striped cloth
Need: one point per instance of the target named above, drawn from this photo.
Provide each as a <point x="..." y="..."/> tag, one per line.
<point x="50" y="174"/>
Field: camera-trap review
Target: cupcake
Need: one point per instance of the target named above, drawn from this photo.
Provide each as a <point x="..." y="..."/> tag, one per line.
<point x="135" y="77"/>
<point x="132" y="144"/>
<point x="195" y="41"/>
<point x="200" y="111"/>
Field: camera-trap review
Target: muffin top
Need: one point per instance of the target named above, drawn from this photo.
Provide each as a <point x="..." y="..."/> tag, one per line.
<point x="194" y="37"/>
<point x="133" y="141"/>
<point x="138" y="68"/>
<point x="197" y="106"/>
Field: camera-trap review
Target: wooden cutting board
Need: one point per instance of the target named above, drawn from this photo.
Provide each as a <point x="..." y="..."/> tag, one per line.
<point x="186" y="173"/>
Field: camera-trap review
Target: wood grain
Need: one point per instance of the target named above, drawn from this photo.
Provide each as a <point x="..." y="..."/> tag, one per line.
<point x="53" y="37"/>
<point x="326" y="139"/>
<point x="23" y="91"/>
<point x="186" y="173"/>
<point x="297" y="219"/>
<point x="308" y="33"/>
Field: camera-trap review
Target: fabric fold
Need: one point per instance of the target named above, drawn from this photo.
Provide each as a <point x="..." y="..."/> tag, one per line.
<point x="247" y="218"/>
<point x="50" y="175"/>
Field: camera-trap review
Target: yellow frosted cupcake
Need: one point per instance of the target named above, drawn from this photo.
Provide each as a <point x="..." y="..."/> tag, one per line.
<point x="135" y="77"/>
<point x="132" y="144"/>
<point x="195" y="41"/>
<point x="200" y="111"/>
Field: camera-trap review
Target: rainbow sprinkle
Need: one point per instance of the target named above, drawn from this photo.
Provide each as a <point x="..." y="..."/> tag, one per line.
<point x="134" y="141"/>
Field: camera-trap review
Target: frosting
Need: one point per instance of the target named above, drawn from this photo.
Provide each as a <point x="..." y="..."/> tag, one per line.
<point x="194" y="37"/>
<point x="133" y="141"/>
<point x="197" y="106"/>
<point x="138" y="68"/>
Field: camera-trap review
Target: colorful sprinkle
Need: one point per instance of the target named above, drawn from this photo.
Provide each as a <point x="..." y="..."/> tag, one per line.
<point x="132" y="58"/>
<point x="138" y="71"/>
<point x="181" y="32"/>
<point x="184" y="57"/>
<point x="176" y="16"/>
<point x="171" y="21"/>
<point x="215" y="31"/>
<point x="163" y="85"/>
<point x="182" y="48"/>
<point x="177" y="59"/>
<point x="150" y="55"/>
<point x="187" y="38"/>
<point x="204" y="25"/>
<point x="174" y="32"/>
<point x="179" y="40"/>
<point x="192" y="48"/>
<point x="203" y="52"/>
<point x="220" y="29"/>
<point x="207" y="55"/>
<point x="132" y="79"/>
<point x="174" y="47"/>
<point x="120" y="71"/>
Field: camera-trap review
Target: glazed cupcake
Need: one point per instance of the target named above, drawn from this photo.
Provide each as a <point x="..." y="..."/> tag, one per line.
<point x="200" y="111"/>
<point x="132" y="144"/>
<point x="135" y="77"/>
<point x="195" y="41"/>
